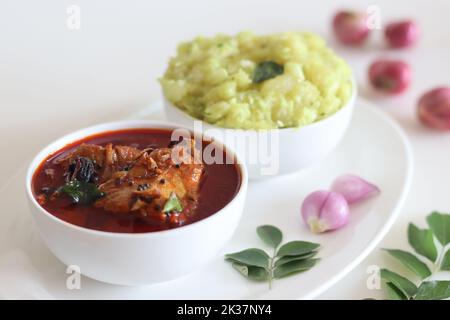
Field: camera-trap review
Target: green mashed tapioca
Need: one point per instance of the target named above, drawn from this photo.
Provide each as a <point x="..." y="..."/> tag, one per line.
<point x="258" y="82"/>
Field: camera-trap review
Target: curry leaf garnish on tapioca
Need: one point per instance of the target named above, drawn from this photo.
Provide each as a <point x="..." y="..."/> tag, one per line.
<point x="267" y="70"/>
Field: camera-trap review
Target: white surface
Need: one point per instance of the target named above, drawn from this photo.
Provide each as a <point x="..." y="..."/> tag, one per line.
<point x="134" y="259"/>
<point x="54" y="81"/>
<point x="275" y="201"/>
<point x="295" y="149"/>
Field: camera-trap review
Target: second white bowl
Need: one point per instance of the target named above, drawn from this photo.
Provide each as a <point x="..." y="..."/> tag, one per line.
<point x="268" y="153"/>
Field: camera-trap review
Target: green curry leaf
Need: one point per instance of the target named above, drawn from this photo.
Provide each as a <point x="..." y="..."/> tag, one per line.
<point x="394" y="293"/>
<point x="287" y="259"/>
<point x="250" y="257"/>
<point x="271" y="235"/>
<point x="422" y="241"/>
<point x="292" y="267"/>
<point x="293" y="257"/>
<point x="433" y="290"/>
<point x="295" y="248"/>
<point x="440" y="225"/>
<point x="411" y="262"/>
<point x="445" y="264"/>
<point x="408" y="288"/>
<point x="81" y="192"/>
<point x="251" y="272"/>
<point x="267" y="70"/>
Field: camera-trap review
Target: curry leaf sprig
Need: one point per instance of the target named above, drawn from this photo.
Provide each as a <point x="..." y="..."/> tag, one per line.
<point x="288" y="259"/>
<point x="423" y="241"/>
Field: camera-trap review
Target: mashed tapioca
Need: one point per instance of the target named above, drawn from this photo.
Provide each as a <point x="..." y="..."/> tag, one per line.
<point x="258" y="82"/>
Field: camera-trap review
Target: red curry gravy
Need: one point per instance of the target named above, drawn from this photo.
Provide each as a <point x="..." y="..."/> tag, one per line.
<point x="219" y="184"/>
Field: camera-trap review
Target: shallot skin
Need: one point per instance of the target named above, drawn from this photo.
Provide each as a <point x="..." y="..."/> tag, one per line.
<point x="325" y="211"/>
<point x="434" y="108"/>
<point x="350" y="27"/>
<point x="390" y="76"/>
<point x="401" y="34"/>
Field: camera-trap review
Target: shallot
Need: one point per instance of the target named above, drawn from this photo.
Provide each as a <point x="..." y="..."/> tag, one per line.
<point x="325" y="210"/>
<point x="390" y="76"/>
<point x="434" y="108"/>
<point x="353" y="188"/>
<point x="350" y="27"/>
<point x="401" y="34"/>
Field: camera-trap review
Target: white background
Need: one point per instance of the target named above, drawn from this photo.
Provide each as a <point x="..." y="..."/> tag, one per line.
<point x="53" y="80"/>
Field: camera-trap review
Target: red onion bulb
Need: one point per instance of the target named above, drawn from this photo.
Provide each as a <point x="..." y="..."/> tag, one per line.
<point x="350" y="27"/>
<point x="390" y="76"/>
<point x="434" y="108"/>
<point x="401" y="34"/>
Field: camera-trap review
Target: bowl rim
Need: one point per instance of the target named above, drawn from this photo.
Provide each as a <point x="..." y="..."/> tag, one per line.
<point x="322" y="121"/>
<point x="77" y="135"/>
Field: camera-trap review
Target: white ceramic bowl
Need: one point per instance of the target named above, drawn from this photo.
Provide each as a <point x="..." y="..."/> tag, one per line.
<point x="294" y="149"/>
<point x="134" y="259"/>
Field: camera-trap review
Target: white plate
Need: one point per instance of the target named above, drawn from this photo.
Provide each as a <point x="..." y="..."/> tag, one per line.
<point x="374" y="147"/>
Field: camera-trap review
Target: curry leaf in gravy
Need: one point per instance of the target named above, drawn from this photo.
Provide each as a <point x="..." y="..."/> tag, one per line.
<point x="173" y="204"/>
<point x="81" y="192"/>
<point x="267" y="70"/>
